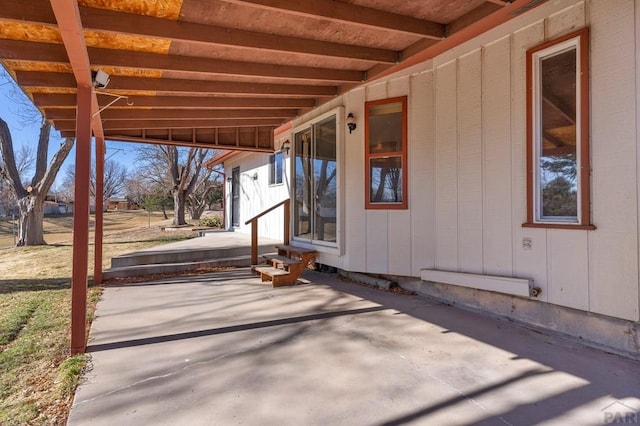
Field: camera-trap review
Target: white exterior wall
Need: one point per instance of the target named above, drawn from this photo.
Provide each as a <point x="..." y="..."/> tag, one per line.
<point x="467" y="165"/>
<point x="256" y="195"/>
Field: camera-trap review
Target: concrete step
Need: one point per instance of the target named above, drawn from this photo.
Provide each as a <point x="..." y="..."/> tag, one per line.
<point x="166" y="268"/>
<point x="155" y="257"/>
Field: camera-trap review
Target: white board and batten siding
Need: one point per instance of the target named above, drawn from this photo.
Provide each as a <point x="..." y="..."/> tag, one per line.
<point x="256" y="195"/>
<point x="467" y="165"/>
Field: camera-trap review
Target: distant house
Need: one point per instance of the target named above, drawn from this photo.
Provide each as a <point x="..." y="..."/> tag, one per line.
<point x="118" y="203"/>
<point x="51" y="207"/>
<point x="65" y="207"/>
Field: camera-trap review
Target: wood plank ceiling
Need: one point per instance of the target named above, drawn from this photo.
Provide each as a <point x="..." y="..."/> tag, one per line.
<point x="226" y="73"/>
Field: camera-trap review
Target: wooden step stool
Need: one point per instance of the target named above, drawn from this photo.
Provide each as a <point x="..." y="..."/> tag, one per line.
<point x="285" y="268"/>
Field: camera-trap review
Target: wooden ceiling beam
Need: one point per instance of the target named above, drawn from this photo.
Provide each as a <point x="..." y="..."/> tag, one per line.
<point x="481" y="19"/>
<point x="155" y="61"/>
<point x="418" y="48"/>
<point x="47" y="52"/>
<point x="38" y="12"/>
<point x="66" y="125"/>
<point x="65" y="80"/>
<point x="485" y="9"/>
<point x="339" y="11"/>
<point x="54" y="100"/>
<point x="116" y="136"/>
<point x="556" y="103"/>
<point x="59" y="114"/>
<point x="104" y="20"/>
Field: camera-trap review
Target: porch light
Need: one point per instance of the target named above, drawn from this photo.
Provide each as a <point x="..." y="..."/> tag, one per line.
<point x="285" y="147"/>
<point x="351" y="122"/>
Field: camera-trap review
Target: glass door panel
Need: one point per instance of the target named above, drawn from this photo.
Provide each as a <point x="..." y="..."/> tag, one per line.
<point x="302" y="201"/>
<point x="325" y="177"/>
<point x="315" y="182"/>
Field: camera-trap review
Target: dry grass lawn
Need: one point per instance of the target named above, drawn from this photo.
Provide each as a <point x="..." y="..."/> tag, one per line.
<point x="37" y="376"/>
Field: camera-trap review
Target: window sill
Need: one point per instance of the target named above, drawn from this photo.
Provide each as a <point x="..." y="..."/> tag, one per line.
<point x="386" y="206"/>
<point x="578" y="227"/>
<point x="276" y="184"/>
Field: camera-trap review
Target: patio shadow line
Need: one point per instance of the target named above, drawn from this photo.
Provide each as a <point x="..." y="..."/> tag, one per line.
<point x="229" y="329"/>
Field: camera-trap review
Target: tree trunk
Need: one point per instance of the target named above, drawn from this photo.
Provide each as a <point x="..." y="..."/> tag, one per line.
<point x="31" y="199"/>
<point x="164" y="210"/>
<point x="30" y="229"/>
<point x="179" y="201"/>
<point x="197" y="209"/>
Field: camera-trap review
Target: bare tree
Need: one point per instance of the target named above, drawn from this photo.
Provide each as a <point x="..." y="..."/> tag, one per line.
<point x="25" y="158"/>
<point x="200" y="198"/>
<point x="30" y="200"/>
<point x="7" y="200"/>
<point x="20" y="105"/>
<point x="115" y="178"/>
<point x="176" y="170"/>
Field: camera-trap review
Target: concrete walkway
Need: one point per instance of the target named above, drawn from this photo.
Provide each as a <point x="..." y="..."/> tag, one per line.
<point x="220" y="239"/>
<point x="225" y="349"/>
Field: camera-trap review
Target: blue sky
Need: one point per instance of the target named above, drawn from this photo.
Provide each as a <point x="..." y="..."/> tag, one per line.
<point x="27" y="132"/>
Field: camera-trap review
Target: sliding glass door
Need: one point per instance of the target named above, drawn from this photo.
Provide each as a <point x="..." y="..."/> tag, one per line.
<point x="315" y="198"/>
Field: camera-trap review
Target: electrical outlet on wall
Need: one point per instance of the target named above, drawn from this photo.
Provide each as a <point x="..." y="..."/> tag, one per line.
<point x="527" y="243"/>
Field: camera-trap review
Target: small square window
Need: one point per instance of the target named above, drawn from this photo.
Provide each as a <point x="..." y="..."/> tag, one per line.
<point x="275" y="168"/>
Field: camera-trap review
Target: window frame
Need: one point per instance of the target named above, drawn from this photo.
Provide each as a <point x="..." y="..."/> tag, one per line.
<point x="368" y="156"/>
<point x="580" y="41"/>
<point x="273" y="167"/>
<point x="322" y="246"/>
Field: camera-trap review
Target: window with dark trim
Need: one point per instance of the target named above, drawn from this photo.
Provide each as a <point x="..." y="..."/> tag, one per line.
<point x="275" y="168"/>
<point x="558" y="166"/>
<point x="386" y="154"/>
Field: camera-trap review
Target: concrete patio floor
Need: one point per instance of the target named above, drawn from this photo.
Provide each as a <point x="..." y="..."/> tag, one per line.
<point x="226" y="349"/>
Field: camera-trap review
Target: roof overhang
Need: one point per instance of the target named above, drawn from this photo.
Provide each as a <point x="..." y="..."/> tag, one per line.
<point x="222" y="73"/>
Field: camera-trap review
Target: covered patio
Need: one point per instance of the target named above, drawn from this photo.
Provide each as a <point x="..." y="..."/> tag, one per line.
<point x="224" y="348"/>
<point x="223" y="74"/>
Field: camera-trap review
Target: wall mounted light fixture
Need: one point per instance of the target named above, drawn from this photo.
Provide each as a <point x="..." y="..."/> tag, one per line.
<point x="285" y="147"/>
<point x="351" y="122"/>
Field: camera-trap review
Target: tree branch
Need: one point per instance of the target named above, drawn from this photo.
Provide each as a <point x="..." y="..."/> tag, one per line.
<point x="194" y="179"/>
<point x="9" y="161"/>
<point x="45" y="183"/>
<point x="41" y="156"/>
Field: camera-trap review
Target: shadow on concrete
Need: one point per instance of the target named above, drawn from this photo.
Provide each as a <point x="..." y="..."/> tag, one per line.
<point x="411" y="417"/>
<point x="292" y="331"/>
<point x="230" y="329"/>
<point x="605" y="375"/>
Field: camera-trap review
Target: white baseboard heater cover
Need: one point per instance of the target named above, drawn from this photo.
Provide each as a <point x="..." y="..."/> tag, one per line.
<point x="508" y="285"/>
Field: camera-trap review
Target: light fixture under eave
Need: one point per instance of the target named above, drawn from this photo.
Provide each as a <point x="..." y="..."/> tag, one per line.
<point x="285" y="147"/>
<point x="351" y="122"/>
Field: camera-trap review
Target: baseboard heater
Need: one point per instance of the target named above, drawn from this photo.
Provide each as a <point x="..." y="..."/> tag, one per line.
<point x="515" y="286"/>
